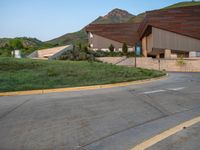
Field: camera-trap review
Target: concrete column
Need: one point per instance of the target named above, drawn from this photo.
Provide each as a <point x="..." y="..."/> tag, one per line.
<point x="168" y="53"/>
<point x="144" y="46"/>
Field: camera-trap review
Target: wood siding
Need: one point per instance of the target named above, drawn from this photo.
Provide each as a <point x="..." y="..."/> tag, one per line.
<point x="163" y="39"/>
<point x="183" y="20"/>
<point x="149" y="43"/>
<point x="121" y="32"/>
<point x="100" y="42"/>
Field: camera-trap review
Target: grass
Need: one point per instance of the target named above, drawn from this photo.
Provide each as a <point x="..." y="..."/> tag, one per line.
<point x="26" y="74"/>
<point x="183" y="4"/>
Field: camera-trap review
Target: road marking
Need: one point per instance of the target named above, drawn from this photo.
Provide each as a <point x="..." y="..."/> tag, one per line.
<point x="152" y="141"/>
<point x="156" y="91"/>
<point x="176" y="89"/>
<point x="170" y="89"/>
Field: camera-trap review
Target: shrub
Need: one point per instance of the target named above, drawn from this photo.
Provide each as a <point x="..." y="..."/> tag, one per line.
<point x="111" y="48"/>
<point x="180" y="61"/>
<point x="125" y="49"/>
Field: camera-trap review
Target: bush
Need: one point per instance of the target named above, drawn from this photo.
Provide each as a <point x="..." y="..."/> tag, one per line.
<point x="125" y="49"/>
<point x="180" y="61"/>
<point x="111" y="48"/>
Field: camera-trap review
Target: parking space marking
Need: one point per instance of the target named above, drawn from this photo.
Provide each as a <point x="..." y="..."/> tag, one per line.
<point x="162" y="90"/>
<point x="156" y="91"/>
<point x="176" y="89"/>
<point x="160" y="137"/>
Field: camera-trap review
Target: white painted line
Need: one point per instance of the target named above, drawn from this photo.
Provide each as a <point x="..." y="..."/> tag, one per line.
<point x="176" y="89"/>
<point x="156" y="91"/>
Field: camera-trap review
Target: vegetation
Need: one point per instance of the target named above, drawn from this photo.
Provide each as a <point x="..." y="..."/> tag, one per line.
<point x="183" y="4"/>
<point x="111" y="48"/>
<point x="78" y="55"/>
<point x="137" y="19"/>
<point x="26" y="45"/>
<point x="71" y="38"/>
<point x="26" y="74"/>
<point x="81" y="52"/>
<point x="125" y="48"/>
<point x="181" y="61"/>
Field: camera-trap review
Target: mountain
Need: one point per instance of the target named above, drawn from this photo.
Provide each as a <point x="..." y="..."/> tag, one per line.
<point x="140" y="17"/>
<point x="27" y="45"/>
<point x="115" y="16"/>
<point x="25" y="41"/>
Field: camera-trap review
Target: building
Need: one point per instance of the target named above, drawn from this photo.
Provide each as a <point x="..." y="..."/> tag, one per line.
<point x="50" y="53"/>
<point x="171" y="33"/>
<point x="166" y="33"/>
<point x="16" y="53"/>
<point x="101" y="36"/>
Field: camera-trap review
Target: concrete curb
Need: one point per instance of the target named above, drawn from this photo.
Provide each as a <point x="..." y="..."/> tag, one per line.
<point x="45" y="91"/>
<point x="195" y="71"/>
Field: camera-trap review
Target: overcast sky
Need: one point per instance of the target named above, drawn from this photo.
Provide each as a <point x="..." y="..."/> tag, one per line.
<point x="48" y="19"/>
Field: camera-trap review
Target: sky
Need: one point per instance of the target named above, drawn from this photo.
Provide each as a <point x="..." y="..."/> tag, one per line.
<point x="48" y="19"/>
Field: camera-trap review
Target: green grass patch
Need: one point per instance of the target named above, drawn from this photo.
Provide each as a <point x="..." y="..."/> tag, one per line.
<point x="183" y="4"/>
<point x="26" y="74"/>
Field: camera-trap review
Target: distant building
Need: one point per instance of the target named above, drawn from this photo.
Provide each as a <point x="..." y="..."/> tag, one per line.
<point x="50" y="53"/>
<point x="16" y="53"/>
<point x="101" y="36"/>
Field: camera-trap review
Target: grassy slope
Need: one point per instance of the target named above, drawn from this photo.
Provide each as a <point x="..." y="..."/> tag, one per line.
<point x="71" y="38"/>
<point x="183" y="4"/>
<point x="25" y="74"/>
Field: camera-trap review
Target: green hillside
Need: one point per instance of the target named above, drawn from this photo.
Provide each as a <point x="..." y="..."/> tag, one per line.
<point x="70" y="38"/>
<point x="183" y="4"/>
<point x="27" y="45"/>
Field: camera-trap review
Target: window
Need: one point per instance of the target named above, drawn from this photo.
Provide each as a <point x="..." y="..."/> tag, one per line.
<point x="198" y="54"/>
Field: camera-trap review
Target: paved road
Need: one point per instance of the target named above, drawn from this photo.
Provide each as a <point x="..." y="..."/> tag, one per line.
<point x="104" y="119"/>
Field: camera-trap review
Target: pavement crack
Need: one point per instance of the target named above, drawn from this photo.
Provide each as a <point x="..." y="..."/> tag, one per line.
<point x="153" y="104"/>
<point x="123" y="130"/>
<point x="156" y="106"/>
<point x="131" y="127"/>
<point x="13" y="109"/>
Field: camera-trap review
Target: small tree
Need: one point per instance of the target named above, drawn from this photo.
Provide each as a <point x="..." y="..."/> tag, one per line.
<point x="111" y="48"/>
<point x="16" y="44"/>
<point x="125" y="48"/>
<point x="85" y="48"/>
<point x="80" y="46"/>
